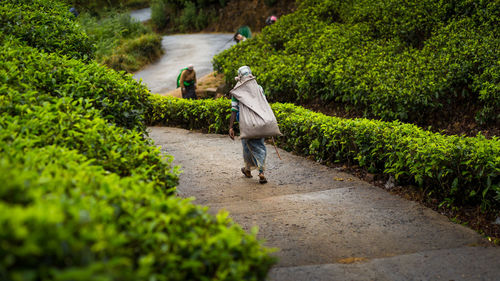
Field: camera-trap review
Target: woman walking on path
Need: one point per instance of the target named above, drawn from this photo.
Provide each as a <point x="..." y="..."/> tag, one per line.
<point x="248" y="102"/>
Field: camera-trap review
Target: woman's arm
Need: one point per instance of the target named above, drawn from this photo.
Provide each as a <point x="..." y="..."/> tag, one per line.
<point x="231" y="124"/>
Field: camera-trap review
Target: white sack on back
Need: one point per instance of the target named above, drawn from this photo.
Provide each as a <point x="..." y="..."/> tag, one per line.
<point x="257" y="119"/>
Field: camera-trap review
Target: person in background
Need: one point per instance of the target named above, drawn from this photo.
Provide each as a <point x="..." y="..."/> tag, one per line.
<point x="243" y="33"/>
<point x="74" y="11"/>
<point x="254" y="150"/>
<point x="239" y="38"/>
<point x="188" y="83"/>
<point x="271" y="20"/>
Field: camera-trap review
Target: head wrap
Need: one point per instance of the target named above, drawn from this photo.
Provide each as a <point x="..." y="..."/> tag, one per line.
<point x="244" y="71"/>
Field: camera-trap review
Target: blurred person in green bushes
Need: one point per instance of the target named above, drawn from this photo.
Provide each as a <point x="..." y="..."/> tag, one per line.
<point x="271" y="20"/>
<point x="243" y="33"/>
<point x="74" y="11"/>
<point x="188" y="83"/>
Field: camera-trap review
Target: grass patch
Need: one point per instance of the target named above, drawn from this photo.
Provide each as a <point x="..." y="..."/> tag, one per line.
<point x="121" y="42"/>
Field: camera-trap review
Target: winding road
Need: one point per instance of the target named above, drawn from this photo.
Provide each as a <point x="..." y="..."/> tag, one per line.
<point x="327" y="225"/>
<point x="181" y="50"/>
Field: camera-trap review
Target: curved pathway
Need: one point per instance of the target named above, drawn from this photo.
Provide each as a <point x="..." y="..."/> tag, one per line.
<point x="328" y="225"/>
<point x="181" y="50"/>
<point x="141" y="14"/>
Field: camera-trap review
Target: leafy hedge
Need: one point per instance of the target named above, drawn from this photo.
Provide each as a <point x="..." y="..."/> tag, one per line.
<point x="210" y="115"/>
<point x="118" y="97"/>
<point x="458" y="170"/>
<point x="33" y="120"/>
<point x="83" y="199"/>
<point x="84" y="195"/>
<point x="64" y="218"/>
<point x="394" y="60"/>
<point x="47" y="25"/>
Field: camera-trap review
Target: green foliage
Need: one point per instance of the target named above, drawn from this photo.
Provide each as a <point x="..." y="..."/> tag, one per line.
<point x="122" y="43"/>
<point x="118" y="97"/>
<point x="35" y="120"/>
<point x="463" y="170"/>
<point x="85" y="196"/>
<point x="65" y="219"/>
<point x="184" y="15"/>
<point x="192" y="19"/>
<point x="44" y="24"/>
<point x="393" y="60"/>
<point x="188" y="17"/>
<point x="410" y="21"/>
<point x="210" y="115"/>
<point x="159" y="14"/>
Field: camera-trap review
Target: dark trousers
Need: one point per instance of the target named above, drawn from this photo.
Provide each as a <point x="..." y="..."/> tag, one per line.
<point x="189" y="93"/>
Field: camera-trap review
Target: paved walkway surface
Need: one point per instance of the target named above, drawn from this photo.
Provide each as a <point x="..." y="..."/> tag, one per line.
<point x="141" y="14"/>
<point x="180" y="51"/>
<point x="327" y="225"/>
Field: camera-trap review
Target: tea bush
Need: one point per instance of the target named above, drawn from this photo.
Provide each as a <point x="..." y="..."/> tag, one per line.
<point x="47" y="25"/>
<point x="393" y="60"/>
<point x="118" y="97"/>
<point x="108" y="30"/>
<point x="457" y="170"/>
<point x="83" y="199"/>
<point x="84" y="195"/>
<point x="210" y="115"/>
<point x="64" y="218"/>
<point x="31" y="120"/>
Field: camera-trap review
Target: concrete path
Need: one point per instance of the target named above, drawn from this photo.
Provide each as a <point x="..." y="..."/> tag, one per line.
<point x="181" y="50"/>
<point x="141" y="14"/>
<point x="328" y="225"/>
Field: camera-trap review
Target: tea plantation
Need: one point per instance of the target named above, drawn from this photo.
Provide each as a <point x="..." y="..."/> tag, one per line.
<point x="83" y="194"/>
<point x="393" y="62"/>
<point x="390" y="60"/>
